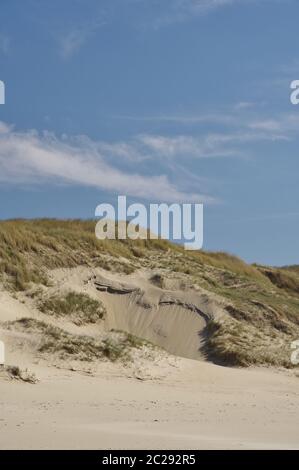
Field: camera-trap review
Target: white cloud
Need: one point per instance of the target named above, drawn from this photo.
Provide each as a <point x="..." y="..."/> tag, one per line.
<point x="238" y="124"/>
<point x="216" y="118"/>
<point x="182" y="10"/>
<point x="266" y="125"/>
<point x="244" y="105"/>
<point x="71" y="43"/>
<point x="184" y="146"/>
<point x="28" y="157"/>
<point x="72" y="40"/>
<point x="211" y="145"/>
<point x="285" y="123"/>
<point x="4" y="128"/>
<point x="204" y="6"/>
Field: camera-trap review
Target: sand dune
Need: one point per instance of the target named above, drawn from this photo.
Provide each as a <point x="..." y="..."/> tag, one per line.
<point x="161" y="399"/>
<point x="170" y="318"/>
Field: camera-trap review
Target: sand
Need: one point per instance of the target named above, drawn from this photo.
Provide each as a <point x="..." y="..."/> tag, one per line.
<point x="197" y="406"/>
<point x="169" y="403"/>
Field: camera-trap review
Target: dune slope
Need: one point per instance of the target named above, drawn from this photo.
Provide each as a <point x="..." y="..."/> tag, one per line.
<point x="115" y="344"/>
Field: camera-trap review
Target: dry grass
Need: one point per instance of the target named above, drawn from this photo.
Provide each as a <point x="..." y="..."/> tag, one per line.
<point x="29" y="247"/>
<point x="15" y="372"/>
<point x="283" y="278"/>
<point x="158" y="280"/>
<point x="79" y="308"/>
<point x="263" y="302"/>
<point x="56" y="342"/>
<point x="235" y="343"/>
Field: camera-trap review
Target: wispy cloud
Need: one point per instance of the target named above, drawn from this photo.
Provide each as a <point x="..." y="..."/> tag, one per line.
<point x="211" y="145"/>
<point x="216" y="118"/>
<point x="145" y="12"/>
<point x="71" y="41"/>
<point x="240" y="123"/>
<point x="290" y="69"/>
<point x="219" y="134"/>
<point x="182" y="10"/>
<point x="203" y="6"/>
<point x="244" y="105"/>
<point x="237" y="115"/>
<point x="29" y="157"/>
<point x="285" y="123"/>
<point x="183" y="146"/>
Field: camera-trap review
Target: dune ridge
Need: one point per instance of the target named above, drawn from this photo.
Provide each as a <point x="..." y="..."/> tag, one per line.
<point x="121" y="344"/>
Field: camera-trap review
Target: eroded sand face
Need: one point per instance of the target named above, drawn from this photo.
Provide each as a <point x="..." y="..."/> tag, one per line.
<point x="173" y="320"/>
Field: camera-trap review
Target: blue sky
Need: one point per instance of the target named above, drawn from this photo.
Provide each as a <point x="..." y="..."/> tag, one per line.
<point x="160" y="100"/>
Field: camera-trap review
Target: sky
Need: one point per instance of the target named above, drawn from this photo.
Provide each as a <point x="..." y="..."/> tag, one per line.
<point x="158" y="100"/>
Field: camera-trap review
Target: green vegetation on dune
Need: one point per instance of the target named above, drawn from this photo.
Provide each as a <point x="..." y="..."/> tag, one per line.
<point x="54" y="341"/>
<point x="287" y="279"/>
<point x="28" y="247"/>
<point x="238" y="343"/>
<point x="261" y="302"/>
<point x="79" y="308"/>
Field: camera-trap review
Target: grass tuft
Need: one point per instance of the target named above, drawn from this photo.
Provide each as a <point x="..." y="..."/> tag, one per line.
<point x="79" y="308"/>
<point x="24" y="375"/>
<point x="54" y="341"/>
